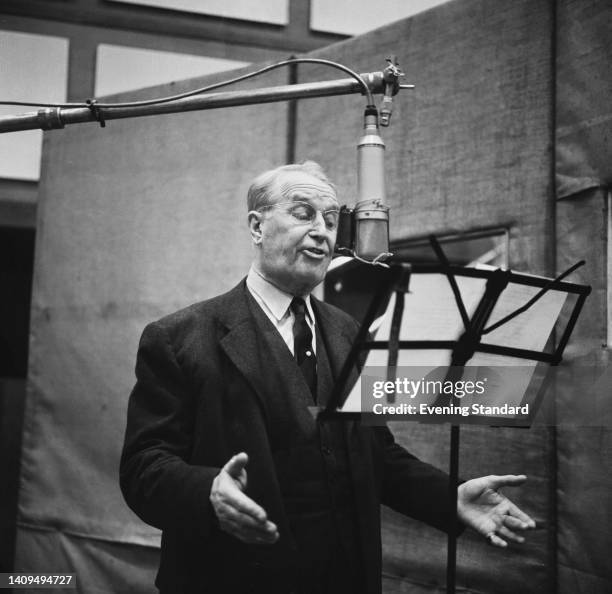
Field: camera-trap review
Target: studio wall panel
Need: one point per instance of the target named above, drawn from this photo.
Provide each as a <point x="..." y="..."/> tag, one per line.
<point x="470" y="146"/>
<point x="585" y="447"/>
<point x="583" y="88"/>
<point x="583" y="135"/>
<point x="136" y="220"/>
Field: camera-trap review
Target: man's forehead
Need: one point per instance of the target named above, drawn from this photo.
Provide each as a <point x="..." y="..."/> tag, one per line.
<point x="295" y="187"/>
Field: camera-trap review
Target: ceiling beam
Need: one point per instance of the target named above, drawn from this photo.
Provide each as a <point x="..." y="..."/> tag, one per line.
<point x="295" y="37"/>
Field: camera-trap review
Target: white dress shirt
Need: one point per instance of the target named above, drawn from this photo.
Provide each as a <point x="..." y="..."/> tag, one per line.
<point x="275" y="304"/>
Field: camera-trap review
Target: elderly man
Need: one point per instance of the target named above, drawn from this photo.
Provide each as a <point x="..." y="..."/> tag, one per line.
<point x="222" y="453"/>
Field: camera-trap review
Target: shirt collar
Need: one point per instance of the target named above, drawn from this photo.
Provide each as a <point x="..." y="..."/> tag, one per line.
<point x="276" y="301"/>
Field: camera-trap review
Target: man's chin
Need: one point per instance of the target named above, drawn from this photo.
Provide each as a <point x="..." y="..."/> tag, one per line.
<point x="308" y="278"/>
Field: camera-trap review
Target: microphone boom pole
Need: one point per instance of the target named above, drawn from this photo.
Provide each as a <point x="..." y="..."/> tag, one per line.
<point x="51" y="118"/>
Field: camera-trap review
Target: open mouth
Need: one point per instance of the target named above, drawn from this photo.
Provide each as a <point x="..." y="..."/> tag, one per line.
<point x="314" y="252"/>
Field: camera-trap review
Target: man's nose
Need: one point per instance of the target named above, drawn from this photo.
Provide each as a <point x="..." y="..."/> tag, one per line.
<point x="321" y="232"/>
<point x="318" y="224"/>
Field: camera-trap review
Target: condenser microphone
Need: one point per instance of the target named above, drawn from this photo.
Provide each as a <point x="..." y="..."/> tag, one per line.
<point x="371" y="215"/>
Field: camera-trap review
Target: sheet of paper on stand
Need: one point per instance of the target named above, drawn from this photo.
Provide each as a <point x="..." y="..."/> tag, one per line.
<point x="426" y="318"/>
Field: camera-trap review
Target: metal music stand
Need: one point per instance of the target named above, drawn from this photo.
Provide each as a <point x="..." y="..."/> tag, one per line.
<point x="461" y="349"/>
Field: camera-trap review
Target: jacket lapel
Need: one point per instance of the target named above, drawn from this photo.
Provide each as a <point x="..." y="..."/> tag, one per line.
<point x="248" y="345"/>
<point x="240" y="340"/>
<point x="257" y="350"/>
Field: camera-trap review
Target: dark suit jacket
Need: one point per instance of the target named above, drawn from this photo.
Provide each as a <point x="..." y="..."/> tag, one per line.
<point x="207" y="389"/>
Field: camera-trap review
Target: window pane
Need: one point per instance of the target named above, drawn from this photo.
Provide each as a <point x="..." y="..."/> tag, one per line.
<point x="265" y="11"/>
<point x="32" y="68"/>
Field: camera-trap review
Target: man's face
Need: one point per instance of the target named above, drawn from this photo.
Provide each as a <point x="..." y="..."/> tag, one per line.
<point x="294" y="253"/>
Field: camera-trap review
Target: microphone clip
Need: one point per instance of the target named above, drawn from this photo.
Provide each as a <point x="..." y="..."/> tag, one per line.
<point x="391" y="76"/>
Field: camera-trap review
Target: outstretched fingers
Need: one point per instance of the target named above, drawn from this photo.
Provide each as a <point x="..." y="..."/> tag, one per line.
<point x="495" y="540"/>
<point x="517" y="519"/>
<point x="507" y="480"/>
<point x="509" y="534"/>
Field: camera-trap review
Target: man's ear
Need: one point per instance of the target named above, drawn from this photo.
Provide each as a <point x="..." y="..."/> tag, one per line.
<point x="255" y="219"/>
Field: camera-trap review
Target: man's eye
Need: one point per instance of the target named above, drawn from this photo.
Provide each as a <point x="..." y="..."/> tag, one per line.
<point x="301" y="212"/>
<point x="331" y="219"/>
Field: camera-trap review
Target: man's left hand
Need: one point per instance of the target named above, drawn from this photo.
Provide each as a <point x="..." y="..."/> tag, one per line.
<point x="482" y="507"/>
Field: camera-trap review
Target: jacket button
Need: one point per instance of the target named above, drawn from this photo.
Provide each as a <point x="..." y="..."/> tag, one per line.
<point x="327" y="451"/>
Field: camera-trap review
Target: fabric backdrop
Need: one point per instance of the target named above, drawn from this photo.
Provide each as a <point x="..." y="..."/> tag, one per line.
<point x="136" y="220"/>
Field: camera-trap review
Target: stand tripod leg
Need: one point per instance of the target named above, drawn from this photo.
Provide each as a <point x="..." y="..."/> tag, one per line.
<point x="451" y="555"/>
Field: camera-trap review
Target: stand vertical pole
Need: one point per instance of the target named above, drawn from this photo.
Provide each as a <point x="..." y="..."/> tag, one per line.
<point x="463" y="352"/>
<point x="453" y="471"/>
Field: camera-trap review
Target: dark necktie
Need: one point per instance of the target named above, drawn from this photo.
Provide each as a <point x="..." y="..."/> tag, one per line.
<point x="302" y="345"/>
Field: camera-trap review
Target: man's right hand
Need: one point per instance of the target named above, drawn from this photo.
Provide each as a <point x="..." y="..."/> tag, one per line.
<point x="238" y="514"/>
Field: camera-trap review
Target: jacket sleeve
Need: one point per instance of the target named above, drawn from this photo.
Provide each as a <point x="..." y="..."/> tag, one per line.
<point x="413" y="487"/>
<point x="158" y="483"/>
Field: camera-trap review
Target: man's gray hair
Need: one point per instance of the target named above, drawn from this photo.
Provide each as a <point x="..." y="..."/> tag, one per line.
<point x="264" y="185"/>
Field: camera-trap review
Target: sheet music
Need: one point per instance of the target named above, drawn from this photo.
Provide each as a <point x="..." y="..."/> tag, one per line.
<point x="431" y="313"/>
